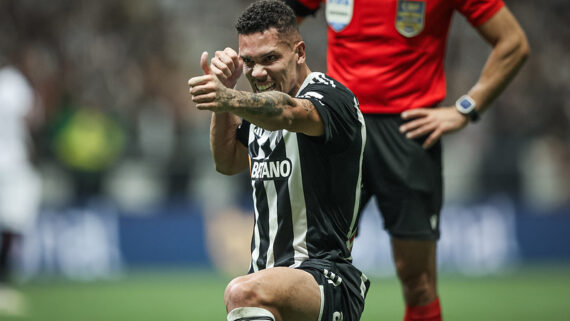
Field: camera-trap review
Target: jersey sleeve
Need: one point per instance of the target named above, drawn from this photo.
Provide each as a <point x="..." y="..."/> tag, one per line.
<point x="242" y="132"/>
<point x="303" y="8"/>
<point x="338" y="109"/>
<point x="477" y="12"/>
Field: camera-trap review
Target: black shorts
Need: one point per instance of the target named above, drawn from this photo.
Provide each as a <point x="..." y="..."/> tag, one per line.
<point x="343" y="289"/>
<point x="405" y="178"/>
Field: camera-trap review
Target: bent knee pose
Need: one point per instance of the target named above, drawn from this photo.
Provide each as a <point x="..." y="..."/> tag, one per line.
<point x="302" y="137"/>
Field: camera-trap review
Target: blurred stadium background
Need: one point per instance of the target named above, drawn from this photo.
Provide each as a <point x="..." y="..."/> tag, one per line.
<point x="135" y="224"/>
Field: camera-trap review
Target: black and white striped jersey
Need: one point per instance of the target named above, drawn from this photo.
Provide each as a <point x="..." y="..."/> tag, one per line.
<point x="306" y="190"/>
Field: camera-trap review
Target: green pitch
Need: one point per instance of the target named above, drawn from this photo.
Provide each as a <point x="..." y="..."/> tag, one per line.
<point x="524" y="295"/>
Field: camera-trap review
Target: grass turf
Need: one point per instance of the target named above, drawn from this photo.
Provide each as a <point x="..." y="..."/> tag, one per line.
<point x="528" y="294"/>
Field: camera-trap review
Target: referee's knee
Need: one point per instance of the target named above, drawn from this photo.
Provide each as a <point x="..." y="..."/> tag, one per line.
<point x="418" y="289"/>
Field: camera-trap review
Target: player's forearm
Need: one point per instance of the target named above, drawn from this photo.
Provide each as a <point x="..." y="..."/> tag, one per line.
<point x="229" y="155"/>
<point x="505" y="60"/>
<point x="268" y="110"/>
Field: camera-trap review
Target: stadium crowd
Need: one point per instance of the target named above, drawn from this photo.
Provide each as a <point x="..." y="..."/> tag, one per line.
<point x="115" y="118"/>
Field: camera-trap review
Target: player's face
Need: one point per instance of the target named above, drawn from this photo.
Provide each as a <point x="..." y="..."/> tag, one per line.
<point x="271" y="62"/>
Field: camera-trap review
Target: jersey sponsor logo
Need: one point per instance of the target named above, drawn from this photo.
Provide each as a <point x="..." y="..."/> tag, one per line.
<point x="339" y="13"/>
<point x="410" y="17"/>
<point x="271" y="170"/>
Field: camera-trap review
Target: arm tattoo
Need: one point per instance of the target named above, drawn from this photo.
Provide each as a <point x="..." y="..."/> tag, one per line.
<point x="307" y="105"/>
<point x="269" y="103"/>
<point x="270" y="110"/>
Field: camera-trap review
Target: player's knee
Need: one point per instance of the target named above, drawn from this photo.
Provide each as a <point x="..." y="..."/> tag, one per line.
<point x="243" y="292"/>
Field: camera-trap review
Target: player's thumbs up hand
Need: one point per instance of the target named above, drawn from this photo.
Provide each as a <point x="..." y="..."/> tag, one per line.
<point x="207" y="91"/>
<point x="204" y="63"/>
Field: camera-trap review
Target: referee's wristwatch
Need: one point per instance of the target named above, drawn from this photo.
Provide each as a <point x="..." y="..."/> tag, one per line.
<point x="466" y="106"/>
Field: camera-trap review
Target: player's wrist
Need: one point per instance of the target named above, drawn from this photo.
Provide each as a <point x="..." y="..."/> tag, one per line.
<point x="467" y="107"/>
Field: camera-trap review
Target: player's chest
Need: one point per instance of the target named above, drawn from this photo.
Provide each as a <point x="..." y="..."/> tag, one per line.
<point x="272" y="154"/>
<point x="265" y="144"/>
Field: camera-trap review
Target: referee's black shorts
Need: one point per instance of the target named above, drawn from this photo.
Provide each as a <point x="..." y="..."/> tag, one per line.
<point x="405" y="178"/>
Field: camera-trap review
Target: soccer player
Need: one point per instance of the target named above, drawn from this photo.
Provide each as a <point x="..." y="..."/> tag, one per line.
<point x="390" y="53"/>
<point x="302" y="137"/>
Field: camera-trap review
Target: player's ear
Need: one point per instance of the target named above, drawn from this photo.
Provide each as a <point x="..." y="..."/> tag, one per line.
<point x="300" y="51"/>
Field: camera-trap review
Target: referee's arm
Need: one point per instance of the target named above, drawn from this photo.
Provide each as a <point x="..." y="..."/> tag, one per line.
<point x="510" y="50"/>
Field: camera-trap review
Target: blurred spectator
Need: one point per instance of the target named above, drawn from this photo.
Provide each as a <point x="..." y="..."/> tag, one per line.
<point x="87" y="142"/>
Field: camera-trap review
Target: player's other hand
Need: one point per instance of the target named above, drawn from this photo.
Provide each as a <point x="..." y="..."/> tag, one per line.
<point x="434" y="122"/>
<point x="207" y="91"/>
<point x="227" y="66"/>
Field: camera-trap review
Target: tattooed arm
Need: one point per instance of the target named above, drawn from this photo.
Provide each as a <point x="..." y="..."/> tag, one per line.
<point x="275" y="110"/>
<point x="230" y="155"/>
<point x="270" y="110"/>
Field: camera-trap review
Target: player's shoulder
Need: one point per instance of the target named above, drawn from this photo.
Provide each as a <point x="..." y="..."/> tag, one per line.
<point x="322" y="79"/>
<point x="323" y="90"/>
<point x="318" y="81"/>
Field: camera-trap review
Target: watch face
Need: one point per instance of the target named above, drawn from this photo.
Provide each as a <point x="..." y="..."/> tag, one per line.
<point x="465" y="105"/>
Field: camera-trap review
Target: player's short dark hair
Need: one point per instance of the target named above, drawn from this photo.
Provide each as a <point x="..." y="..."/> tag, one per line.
<point x="265" y="14"/>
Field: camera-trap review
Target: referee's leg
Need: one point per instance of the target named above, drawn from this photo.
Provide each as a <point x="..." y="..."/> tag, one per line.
<point x="415" y="263"/>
